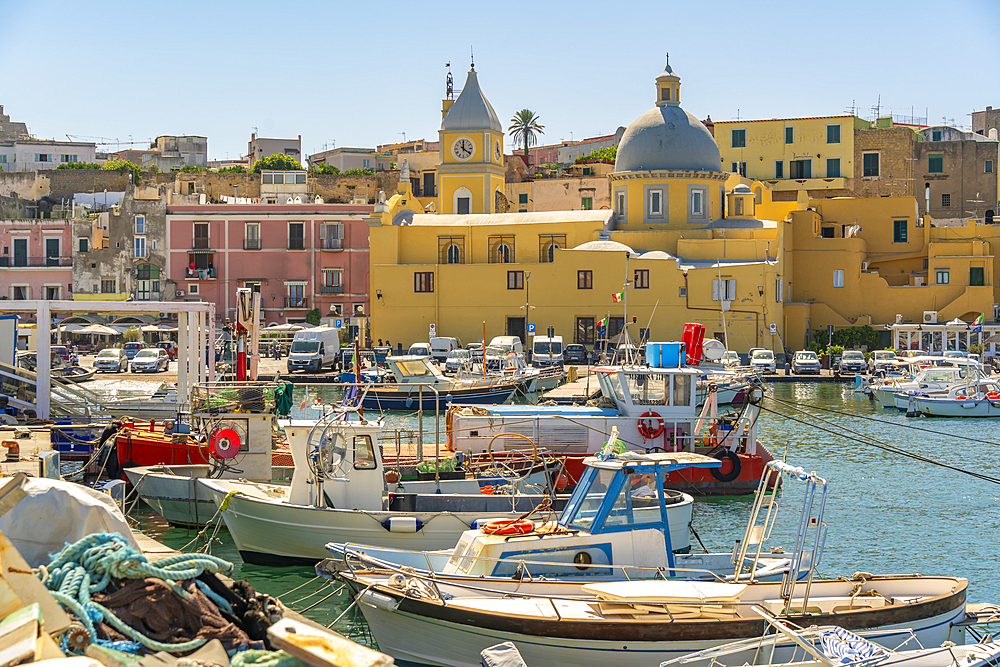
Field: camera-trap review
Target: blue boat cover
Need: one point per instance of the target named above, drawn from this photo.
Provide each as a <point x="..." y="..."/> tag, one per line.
<point x="849" y="649"/>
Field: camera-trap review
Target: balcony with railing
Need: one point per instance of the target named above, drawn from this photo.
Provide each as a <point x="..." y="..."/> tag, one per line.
<point x="251" y="244"/>
<point x="296" y="244"/>
<point x="331" y="289"/>
<point x="296" y="302"/>
<point x="35" y="262"/>
<point x="199" y="274"/>
<point x="331" y="244"/>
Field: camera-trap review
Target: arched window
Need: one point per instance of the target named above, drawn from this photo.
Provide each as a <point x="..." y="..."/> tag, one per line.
<point x="551" y="251"/>
<point x="454" y="254"/>
<point x="503" y="254"/>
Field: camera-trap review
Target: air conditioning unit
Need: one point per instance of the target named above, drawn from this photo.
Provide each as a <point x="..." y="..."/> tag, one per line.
<point x="162" y="316"/>
<point x="864" y="266"/>
<point x="899" y="318"/>
<point x="179" y="292"/>
<point x="930" y="316"/>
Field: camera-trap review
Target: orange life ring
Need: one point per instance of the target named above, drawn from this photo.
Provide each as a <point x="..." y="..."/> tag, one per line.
<point x="509" y="527"/>
<point x="650" y="425"/>
<point x="225" y="443"/>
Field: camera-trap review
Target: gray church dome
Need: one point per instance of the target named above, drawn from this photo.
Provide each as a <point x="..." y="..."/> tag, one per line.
<point x="665" y="138"/>
<point x="471" y="111"/>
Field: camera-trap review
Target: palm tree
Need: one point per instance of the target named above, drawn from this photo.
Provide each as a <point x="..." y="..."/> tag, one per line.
<point x="523" y="128"/>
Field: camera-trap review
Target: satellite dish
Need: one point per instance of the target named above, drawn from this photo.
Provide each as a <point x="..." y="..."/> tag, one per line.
<point x="713" y="349"/>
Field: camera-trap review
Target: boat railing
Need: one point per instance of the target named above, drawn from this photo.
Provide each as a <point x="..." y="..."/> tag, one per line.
<point x="227" y="397"/>
<point x="19" y="385"/>
<point x="352" y="557"/>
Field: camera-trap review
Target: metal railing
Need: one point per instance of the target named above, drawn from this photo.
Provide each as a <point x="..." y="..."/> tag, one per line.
<point x="296" y="244"/>
<point x="17" y="261"/>
<point x="251" y="244"/>
<point x="296" y="302"/>
<point x="331" y="289"/>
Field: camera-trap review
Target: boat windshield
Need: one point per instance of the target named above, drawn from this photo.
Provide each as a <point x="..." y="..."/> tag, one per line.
<point x="637" y="502"/>
<point x="305" y="346"/>
<point x="648" y="388"/>
<point x="411" y="368"/>
<point x="498" y="350"/>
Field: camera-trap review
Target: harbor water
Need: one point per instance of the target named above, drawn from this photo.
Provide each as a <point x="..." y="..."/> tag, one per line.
<point x="886" y="512"/>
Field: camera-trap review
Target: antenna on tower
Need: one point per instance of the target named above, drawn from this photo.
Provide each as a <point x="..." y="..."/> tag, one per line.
<point x="449" y="84"/>
<point x="472" y="57"/>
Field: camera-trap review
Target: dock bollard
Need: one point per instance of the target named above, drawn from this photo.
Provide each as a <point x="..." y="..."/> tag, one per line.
<point x="788" y="369"/>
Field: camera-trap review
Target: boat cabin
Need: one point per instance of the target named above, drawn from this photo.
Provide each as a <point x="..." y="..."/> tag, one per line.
<point x="414" y="369"/>
<point x="617" y="514"/>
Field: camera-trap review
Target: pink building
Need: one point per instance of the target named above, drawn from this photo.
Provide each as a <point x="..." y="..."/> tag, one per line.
<point x="37" y="259"/>
<point x="303" y="256"/>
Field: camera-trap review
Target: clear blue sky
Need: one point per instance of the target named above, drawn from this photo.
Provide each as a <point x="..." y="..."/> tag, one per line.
<point x="361" y="73"/>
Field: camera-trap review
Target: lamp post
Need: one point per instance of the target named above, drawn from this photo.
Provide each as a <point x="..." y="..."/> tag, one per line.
<point x="527" y="308"/>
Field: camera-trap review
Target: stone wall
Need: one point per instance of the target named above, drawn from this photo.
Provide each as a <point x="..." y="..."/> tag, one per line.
<point x="895" y="148"/>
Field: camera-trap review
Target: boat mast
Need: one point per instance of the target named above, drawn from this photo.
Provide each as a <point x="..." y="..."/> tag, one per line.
<point x="722" y="301"/>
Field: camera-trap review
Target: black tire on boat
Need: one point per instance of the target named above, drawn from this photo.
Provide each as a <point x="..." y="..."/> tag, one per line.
<point x="732" y="474"/>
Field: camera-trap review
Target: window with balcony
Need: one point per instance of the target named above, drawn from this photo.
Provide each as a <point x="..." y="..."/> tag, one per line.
<point x="501" y="249"/>
<point x="296" y="236"/>
<point x="333" y="281"/>
<point x="833" y="167"/>
<point x="251" y="236"/>
<point x="20" y="292"/>
<point x="52" y="253"/>
<point x="423" y="281"/>
<point x="451" y="250"/>
<point x="331" y="236"/>
<point x="295" y="296"/>
<point x="800" y="169"/>
<point x="140" y="247"/>
<point x="585" y="279"/>
<point x="515" y="280"/>
<point x="547" y="246"/>
<point x="641" y="279"/>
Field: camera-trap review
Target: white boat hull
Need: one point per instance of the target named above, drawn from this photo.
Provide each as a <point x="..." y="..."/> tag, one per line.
<point x="942" y="407"/>
<point x="305" y="531"/>
<point x="413" y="639"/>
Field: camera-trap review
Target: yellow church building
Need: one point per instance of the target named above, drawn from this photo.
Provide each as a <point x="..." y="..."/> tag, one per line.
<point x="667" y="243"/>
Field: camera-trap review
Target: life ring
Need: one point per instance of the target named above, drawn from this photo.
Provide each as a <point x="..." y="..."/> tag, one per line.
<point x="509" y="527"/>
<point x="755" y="396"/>
<point x="225" y="443"/>
<point x="732" y="474"/>
<point x="993" y="396"/>
<point x="647" y="422"/>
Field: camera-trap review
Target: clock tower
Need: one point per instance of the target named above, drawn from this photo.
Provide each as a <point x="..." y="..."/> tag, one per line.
<point x="471" y="169"/>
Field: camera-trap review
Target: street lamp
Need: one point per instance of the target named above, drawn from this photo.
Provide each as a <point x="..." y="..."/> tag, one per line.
<point x="526" y="307"/>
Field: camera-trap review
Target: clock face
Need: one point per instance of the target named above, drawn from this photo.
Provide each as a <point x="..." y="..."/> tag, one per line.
<point x="463" y="148"/>
<point x="497" y="150"/>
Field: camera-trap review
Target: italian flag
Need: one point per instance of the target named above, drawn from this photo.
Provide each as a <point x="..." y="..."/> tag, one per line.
<point x="618" y="297"/>
<point x="603" y="324"/>
<point x="979" y="320"/>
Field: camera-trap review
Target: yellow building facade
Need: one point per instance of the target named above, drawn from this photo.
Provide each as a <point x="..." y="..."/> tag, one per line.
<point x="665" y="243"/>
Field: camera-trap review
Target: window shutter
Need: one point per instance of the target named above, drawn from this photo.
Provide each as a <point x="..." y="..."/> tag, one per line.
<point x="715" y="290"/>
<point x="730" y="290"/>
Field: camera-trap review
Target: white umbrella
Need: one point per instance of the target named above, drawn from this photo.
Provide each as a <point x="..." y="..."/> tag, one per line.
<point x="96" y="329"/>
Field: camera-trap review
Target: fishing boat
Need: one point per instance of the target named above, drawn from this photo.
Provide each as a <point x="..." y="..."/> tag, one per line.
<point x="924" y="376"/>
<point x="613" y="527"/>
<point x="831" y="645"/>
<point x="161" y="404"/>
<point x="72" y="374"/>
<point x="339" y="493"/>
<point x="978" y="399"/>
<point x="654" y="408"/>
<point x="419" y="383"/>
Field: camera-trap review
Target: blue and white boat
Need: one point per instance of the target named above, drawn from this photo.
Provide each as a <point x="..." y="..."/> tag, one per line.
<point x="418" y="383"/>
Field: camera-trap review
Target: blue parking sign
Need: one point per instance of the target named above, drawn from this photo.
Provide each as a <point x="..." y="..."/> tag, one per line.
<point x="340" y="324"/>
<point x="531" y="329"/>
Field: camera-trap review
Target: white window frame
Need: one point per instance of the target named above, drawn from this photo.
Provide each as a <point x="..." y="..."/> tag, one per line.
<point x="503" y="253"/>
<point x="139" y="247"/>
<point x="838" y="277"/>
<point x="139" y="224"/>
<point x="622" y="202"/>
<point x="697" y="202"/>
<point x="655" y="195"/>
<point x="724" y="290"/>
<point x="458" y="254"/>
<point x="331" y="235"/>
<point x="192" y="288"/>
<point x="461" y="193"/>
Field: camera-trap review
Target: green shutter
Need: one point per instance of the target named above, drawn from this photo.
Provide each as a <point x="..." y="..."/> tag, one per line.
<point x="935" y="164"/>
<point x="976" y="276"/>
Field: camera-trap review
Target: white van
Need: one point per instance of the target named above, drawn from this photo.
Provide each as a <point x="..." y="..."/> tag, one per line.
<point x="442" y="345"/>
<point x="499" y="348"/>
<point x="312" y="349"/>
<point x="546" y="351"/>
<point x="420" y="350"/>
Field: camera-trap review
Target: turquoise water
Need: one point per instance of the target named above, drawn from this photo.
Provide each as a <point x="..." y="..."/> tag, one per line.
<point x="886" y="513"/>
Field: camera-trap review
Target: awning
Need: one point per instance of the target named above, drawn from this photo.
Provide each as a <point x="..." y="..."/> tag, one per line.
<point x="297" y="282"/>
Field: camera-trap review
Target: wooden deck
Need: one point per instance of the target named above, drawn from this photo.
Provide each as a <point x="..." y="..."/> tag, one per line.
<point x="581" y="391"/>
<point x="152" y="549"/>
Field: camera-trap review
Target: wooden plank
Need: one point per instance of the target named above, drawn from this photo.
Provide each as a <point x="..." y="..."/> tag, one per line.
<point x="580" y="391"/>
<point x="323" y="648"/>
<point x="28" y="588"/>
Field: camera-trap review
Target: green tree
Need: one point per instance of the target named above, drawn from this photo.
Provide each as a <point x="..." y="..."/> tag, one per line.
<point x="367" y="171"/>
<point x="276" y="162"/>
<point x="192" y="168"/>
<point x="132" y="335"/>
<point x="524" y="127"/>
<point x="312" y="317"/>
<point x="325" y="169"/>
<point x="236" y="169"/>
<point x="124" y="167"/>
<point x="79" y="165"/>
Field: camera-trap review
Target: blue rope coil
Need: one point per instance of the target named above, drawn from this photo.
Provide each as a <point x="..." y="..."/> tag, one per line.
<point x="89" y="565"/>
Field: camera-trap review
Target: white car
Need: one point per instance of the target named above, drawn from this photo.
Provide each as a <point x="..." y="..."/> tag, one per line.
<point x="882" y="360"/>
<point x="804" y="362"/>
<point x="763" y="360"/>
<point x="731" y="359"/>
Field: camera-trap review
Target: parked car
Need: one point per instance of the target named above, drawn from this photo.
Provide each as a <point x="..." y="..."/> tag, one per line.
<point x="111" y="359"/>
<point x="575" y="353"/>
<point x="420" y="349"/>
<point x="852" y="361"/>
<point x="805" y="362"/>
<point x="150" y="359"/>
<point x="61" y="351"/>
<point x="457" y="360"/>
<point x="883" y="360"/>
<point x="906" y="354"/>
<point x="763" y="360"/>
<point x="170" y="346"/>
<point x="602" y="346"/>
<point x="731" y="359"/>
<point x="132" y="349"/>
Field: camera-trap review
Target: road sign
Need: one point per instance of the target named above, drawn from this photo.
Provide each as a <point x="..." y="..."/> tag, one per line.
<point x="829" y="330"/>
<point x="531" y="329"/>
<point x="774" y="328"/>
<point x="340" y="324"/>
<point x="432" y="327"/>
